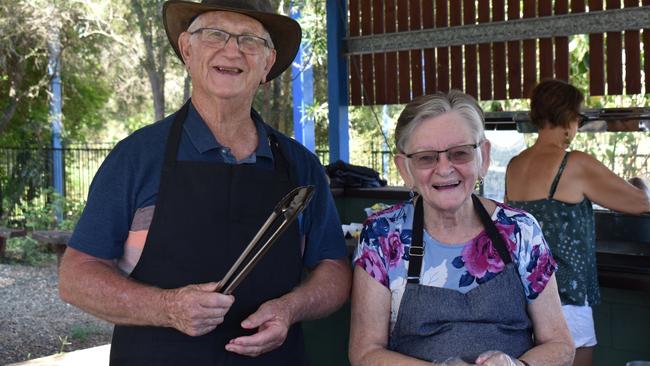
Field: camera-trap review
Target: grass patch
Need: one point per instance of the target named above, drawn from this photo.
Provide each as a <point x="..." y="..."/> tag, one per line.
<point x="82" y="332"/>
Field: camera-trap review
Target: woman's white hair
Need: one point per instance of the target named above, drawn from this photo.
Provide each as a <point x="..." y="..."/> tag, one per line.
<point x="434" y="105"/>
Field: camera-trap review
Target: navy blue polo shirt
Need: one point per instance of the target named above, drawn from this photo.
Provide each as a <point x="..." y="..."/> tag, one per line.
<point x="129" y="178"/>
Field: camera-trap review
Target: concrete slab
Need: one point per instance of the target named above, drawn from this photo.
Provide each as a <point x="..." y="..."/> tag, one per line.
<point x="96" y="356"/>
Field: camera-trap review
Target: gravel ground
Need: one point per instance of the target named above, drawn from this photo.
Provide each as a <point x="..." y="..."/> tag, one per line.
<point x="34" y="322"/>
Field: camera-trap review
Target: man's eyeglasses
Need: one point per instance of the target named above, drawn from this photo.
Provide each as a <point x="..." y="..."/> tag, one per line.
<point x="217" y="38"/>
<point x="456" y="155"/>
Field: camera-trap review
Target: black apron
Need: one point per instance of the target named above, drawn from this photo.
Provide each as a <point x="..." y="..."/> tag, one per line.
<point x="205" y="214"/>
<point x="436" y="324"/>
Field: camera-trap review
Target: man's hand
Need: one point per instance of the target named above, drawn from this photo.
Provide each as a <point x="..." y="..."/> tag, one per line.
<point x="272" y="321"/>
<point x="196" y="309"/>
<point x="496" y="358"/>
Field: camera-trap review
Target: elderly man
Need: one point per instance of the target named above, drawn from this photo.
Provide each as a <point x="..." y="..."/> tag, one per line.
<point x="175" y="203"/>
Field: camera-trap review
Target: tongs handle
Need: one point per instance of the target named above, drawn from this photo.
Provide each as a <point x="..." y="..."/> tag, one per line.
<point x="285" y="212"/>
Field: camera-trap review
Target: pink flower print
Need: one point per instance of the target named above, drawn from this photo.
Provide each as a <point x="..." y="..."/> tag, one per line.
<point x="373" y="264"/>
<point x="542" y="272"/>
<point x="393" y="208"/>
<point x="392" y="248"/>
<point x="506" y="232"/>
<point x="480" y="257"/>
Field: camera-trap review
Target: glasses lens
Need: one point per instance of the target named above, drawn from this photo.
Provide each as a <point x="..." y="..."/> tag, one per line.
<point x="251" y="44"/>
<point x="461" y="154"/>
<point x="425" y="159"/>
<point x="214" y="37"/>
<point x="583" y="119"/>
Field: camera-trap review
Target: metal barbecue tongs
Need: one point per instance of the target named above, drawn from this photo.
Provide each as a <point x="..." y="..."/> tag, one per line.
<point x="284" y="213"/>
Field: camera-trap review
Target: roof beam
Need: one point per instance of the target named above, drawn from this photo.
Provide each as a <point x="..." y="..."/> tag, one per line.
<point x="616" y="20"/>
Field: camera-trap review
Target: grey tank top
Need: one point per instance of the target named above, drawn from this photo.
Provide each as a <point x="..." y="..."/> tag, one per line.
<point x="569" y="230"/>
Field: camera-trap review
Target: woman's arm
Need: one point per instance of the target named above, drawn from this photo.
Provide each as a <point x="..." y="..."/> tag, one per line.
<point x="369" y="325"/>
<point x="607" y="189"/>
<point x="553" y="343"/>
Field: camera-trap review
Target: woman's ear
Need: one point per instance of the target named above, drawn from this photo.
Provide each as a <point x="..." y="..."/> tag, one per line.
<point x="485" y="147"/>
<point x="401" y="161"/>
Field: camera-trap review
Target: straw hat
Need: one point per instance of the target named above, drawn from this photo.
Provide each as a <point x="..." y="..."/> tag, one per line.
<point x="285" y="32"/>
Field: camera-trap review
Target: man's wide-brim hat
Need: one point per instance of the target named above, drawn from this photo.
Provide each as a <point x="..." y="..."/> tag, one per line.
<point x="285" y="32"/>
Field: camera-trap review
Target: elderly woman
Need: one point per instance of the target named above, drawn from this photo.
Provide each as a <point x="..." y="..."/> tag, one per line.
<point x="447" y="276"/>
<point x="558" y="187"/>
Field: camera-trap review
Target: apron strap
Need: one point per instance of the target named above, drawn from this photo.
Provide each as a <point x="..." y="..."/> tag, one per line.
<point x="173" y="141"/>
<point x="280" y="162"/>
<point x="416" y="251"/>
<point x="491" y="229"/>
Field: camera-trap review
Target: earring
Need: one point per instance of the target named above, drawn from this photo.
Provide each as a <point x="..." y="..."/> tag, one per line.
<point x="412" y="193"/>
<point x="479" y="184"/>
<point x="567" y="139"/>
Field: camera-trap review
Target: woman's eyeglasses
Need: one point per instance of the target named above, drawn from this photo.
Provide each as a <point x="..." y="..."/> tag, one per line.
<point x="217" y="38"/>
<point x="456" y="155"/>
<point x="582" y="120"/>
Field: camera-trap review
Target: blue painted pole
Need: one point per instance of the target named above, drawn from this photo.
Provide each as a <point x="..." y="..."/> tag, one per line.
<point x="303" y="93"/>
<point x="337" y="81"/>
<point x="54" y="72"/>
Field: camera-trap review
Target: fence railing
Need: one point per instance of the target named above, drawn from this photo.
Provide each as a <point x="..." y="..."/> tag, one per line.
<point x="26" y="173"/>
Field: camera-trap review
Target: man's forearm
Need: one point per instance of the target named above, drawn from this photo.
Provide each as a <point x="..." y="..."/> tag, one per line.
<point x="326" y="288"/>
<point x="98" y="288"/>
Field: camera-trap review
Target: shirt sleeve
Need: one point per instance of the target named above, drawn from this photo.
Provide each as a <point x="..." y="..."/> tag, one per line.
<point x="320" y="221"/>
<point x="104" y="223"/>
<point x="127" y="179"/>
<point x="536" y="264"/>
<point x="369" y="255"/>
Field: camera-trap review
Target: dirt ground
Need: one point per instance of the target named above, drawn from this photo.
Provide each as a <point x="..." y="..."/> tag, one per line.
<point x="34" y="322"/>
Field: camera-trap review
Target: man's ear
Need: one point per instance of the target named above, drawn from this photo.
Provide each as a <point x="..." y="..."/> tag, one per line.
<point x="184" y="46"/>
<point x="270" y="61"/>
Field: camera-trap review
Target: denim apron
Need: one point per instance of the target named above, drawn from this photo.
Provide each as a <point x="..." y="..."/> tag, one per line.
<point x="436" y="324"/>
<point x="206" y="213"/>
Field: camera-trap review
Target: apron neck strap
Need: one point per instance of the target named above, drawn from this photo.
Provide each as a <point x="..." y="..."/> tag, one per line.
<point x="171" y="148"/>
<point x="416" y="251"/>
<point x="492" y="231"/>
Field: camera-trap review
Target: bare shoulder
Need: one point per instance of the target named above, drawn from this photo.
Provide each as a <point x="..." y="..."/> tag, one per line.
<point x="582" y="157"/>
<point x="490" y="206"/>
<point x="586" y="165"/>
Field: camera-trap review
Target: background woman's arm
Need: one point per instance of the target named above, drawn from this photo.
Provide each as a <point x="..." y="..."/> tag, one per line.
<point x="607" y="189"/>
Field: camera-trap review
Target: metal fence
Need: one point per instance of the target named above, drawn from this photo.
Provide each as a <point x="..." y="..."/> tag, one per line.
<point x="26" y="174"/>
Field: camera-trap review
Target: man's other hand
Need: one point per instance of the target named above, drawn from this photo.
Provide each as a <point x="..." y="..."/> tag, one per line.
<point x="272" y="321"/>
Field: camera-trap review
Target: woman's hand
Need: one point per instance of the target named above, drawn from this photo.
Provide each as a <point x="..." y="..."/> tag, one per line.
<point x="497" y="358"/>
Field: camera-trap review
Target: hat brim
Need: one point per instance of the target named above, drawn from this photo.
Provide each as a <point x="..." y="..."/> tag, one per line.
<point x="285" y="32"/>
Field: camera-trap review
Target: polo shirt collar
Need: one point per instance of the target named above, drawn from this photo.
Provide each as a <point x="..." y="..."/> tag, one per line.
<point x="203" y="141"/>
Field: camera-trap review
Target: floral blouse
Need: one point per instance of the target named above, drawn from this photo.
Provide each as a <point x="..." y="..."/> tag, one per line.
<point x="386" y="238"/>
